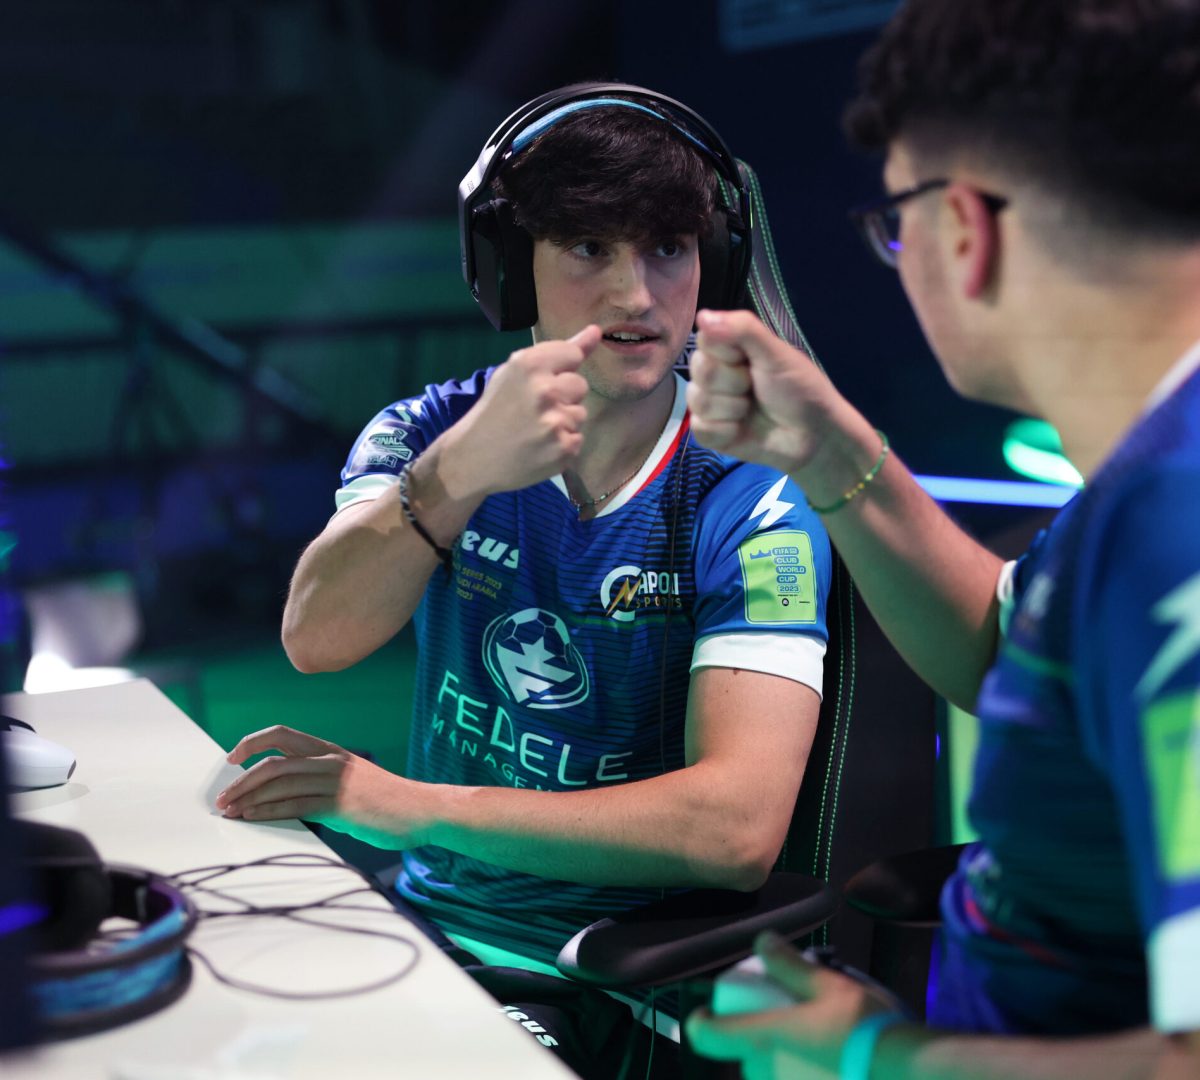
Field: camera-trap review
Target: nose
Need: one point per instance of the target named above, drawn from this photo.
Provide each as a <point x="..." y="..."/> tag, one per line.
<point x="628" y="287"/>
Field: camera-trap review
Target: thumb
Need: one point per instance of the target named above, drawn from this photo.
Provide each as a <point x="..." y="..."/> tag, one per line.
<point x="587" y="338"/>
<point x="786" y="966"/>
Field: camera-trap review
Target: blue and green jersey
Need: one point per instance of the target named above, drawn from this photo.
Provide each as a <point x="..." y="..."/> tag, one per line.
<point x="1079" y="910"/>
<point x="556" y="655"/>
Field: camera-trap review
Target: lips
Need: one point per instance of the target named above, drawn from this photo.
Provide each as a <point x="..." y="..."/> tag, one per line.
<point x="630" y="334"/>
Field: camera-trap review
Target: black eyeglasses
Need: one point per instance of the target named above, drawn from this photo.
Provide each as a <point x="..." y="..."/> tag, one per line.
<point x="879" y="221"/>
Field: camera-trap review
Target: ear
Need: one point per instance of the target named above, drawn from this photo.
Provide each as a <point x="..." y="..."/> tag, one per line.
<point x="975" y="239"/>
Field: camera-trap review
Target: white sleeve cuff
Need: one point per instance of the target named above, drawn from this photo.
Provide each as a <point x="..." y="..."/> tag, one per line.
<point x="1005" y="587"/>
<point x="363" y="489"/>
<point x="799" y="657"/>
<point x="1174" y="958"/>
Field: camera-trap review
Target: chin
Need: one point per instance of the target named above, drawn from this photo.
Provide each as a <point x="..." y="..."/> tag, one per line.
<point x="978" y="380"/>
<point x="623" y="380"/>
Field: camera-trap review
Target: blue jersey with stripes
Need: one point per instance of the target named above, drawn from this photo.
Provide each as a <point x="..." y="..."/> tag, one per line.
<point x="556" y="654"/>
<point x="1079" y="909"/>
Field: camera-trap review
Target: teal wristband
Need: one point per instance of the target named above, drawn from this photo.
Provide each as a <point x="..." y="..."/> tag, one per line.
<point x="859" y="1047"/>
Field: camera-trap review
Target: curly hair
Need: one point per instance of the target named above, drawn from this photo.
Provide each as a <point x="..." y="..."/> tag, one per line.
<point x="1099" y="99"/>
<point x="610" y="173"/>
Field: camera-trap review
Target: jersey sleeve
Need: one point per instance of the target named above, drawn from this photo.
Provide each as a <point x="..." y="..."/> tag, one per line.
<point x="1137" y="649"/>
<point x="763" y="568"/>
<point x="1013" y="578"/>
<point x="400" y="434"/>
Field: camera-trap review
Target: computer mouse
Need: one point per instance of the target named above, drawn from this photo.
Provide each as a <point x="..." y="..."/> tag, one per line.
<point x="33" y="762"/>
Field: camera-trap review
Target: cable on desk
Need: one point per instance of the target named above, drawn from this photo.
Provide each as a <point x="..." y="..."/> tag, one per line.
<point x="194" y="882"/>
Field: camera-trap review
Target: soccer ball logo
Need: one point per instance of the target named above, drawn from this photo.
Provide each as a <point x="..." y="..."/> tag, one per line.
<point x="529" y="655"/>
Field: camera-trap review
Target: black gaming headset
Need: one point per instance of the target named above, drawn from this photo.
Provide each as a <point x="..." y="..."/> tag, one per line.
<point x="497" y="253"/>
<point x="83" y="981"/>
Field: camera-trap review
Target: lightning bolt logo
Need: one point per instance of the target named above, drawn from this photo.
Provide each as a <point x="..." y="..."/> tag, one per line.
<point x="625" y="594"/>
<point x="1181" y="606"/>
<point x="771" y="507"/>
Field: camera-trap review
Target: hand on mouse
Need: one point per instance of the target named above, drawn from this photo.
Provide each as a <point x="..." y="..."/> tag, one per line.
<point x="317" y="780"/>
<point x="803" y="1040"/>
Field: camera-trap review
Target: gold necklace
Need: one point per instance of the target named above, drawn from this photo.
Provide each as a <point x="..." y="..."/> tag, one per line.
<point x="583" y="504"/>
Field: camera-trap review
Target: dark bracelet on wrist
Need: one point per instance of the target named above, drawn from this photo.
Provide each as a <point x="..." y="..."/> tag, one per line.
<point x="445" y="555"/>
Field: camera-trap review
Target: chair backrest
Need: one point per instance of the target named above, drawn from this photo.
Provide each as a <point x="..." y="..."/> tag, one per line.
<point x="869" y="788"/>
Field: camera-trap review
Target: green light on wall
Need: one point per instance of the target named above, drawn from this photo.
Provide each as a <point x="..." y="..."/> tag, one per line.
<point x="1033" y="448"/>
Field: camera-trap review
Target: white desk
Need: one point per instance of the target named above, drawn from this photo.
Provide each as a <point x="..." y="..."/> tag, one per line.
<point x="143" y="794"/>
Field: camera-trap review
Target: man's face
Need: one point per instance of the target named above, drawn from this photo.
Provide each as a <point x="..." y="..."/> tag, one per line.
<point x="959" y="327"/>
<point x="642" y="296"/>
<point x="919" y="261"/>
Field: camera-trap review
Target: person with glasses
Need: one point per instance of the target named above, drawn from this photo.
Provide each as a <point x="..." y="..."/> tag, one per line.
<point x="1043" y="212"/>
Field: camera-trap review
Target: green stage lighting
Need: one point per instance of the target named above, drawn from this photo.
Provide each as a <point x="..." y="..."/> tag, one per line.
<point x="1033" y="448"/>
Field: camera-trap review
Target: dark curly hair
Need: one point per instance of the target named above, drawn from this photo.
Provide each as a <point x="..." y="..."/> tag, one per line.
<point x="1096" y="99"/>
<point x="610" y="173"/>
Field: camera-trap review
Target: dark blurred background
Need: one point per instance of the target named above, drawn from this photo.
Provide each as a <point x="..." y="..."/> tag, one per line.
<point x="228" y="238"/>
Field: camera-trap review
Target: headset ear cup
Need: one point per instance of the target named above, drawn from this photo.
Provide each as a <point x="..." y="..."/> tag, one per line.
<point x="724" y="262"/>
<point x="714" y="265"/>
<point x="70" y="880"/>
<point x="503" y="267"/>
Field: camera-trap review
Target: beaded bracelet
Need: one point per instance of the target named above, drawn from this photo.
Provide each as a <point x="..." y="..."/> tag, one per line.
<point x="861" y="486"/>
<point x="445" y="556"/>
<point x="859" y="1047"/>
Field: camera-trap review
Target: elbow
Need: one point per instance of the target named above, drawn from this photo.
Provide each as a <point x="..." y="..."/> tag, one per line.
<point x="306" y="655"/>
<point x="740" y="863"/>
<point x="750" y="875"/>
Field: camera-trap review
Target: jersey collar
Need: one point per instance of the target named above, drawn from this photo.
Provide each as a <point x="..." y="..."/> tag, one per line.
<point x="672" y="434"/>
<point x="1178" y="374"/>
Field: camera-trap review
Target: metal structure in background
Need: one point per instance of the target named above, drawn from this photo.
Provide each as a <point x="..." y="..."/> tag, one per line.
<point x="145" y="407"/>
<point x="761" y="24"/>
<point x="145" y="322"/>
<point x="149" y="442"/>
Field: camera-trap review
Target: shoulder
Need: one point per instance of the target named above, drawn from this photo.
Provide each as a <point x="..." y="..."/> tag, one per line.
<point x="755" y="496"/>
<point x="399" y="433"/>
<point x="1148" y="495"/>
<point x="453" y="397"/>
<point x="1138" y="566"/>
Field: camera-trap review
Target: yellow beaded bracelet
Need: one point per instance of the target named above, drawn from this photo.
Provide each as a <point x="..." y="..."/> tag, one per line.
<point x="862" y="484"/>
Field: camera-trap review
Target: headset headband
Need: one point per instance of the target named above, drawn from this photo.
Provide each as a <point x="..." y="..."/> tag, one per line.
<point x="523" y="125"/>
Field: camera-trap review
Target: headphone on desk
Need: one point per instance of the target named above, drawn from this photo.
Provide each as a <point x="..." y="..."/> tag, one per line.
<point x="497" y="252"/>
<point x="83" y="979"/>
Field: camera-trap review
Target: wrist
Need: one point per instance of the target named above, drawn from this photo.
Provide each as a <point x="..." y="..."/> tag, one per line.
<point x="411" y="812"/>
<point x="859" y="1049"/>
<point x="445" y="813"/>
<point x="843" y="456"/>
<point x="440" y="492"/>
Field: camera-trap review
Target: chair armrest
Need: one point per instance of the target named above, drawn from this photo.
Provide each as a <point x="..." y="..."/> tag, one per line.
<point x="694" y="932"/>
<point x="904" y="889"/>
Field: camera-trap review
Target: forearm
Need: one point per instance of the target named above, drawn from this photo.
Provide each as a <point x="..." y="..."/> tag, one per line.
<point x="913" y="1053"/>
<point x="929" y="585"/>
<point x="672" y="830"/>
<point x="359" y="582"/>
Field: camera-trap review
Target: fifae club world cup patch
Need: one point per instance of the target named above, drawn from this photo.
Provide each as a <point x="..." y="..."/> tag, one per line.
<point x="778" y="577"/>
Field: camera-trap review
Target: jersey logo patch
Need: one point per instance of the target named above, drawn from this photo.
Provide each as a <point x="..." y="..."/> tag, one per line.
<point x="393" y="443"/>
<point x="530" y="657"/>
<point x="778" y="578"/>
<point x="629" y="588"/>
<point x="1181" y="607"/>
<point x="771" y="506"/>
<point x="1171" y="743"/>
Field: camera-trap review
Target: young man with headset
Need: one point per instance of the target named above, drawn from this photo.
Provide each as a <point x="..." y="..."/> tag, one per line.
<point x="620" y="633"/>
<point x="1043" y="171"/>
